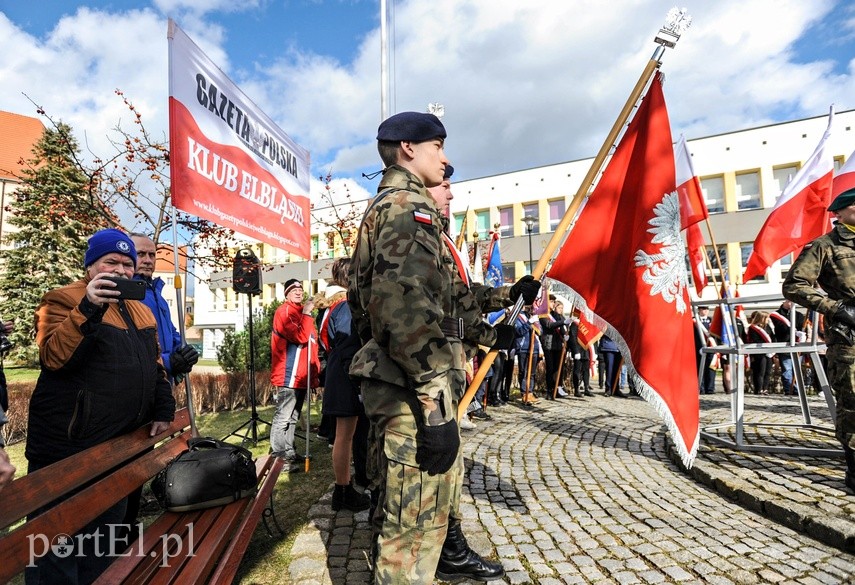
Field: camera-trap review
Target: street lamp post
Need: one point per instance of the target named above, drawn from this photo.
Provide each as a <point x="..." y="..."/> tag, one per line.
<point x="529" y="222"/>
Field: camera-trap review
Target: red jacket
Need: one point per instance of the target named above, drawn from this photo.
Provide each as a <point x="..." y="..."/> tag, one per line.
<point x="293" y="345"/>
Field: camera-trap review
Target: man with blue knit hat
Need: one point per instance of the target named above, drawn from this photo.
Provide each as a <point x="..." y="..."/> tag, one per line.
<point x="829" y="261"/>
<point x="419" y="319"/>
<point x="101" y="376"/>
<point x="178" y="357"/>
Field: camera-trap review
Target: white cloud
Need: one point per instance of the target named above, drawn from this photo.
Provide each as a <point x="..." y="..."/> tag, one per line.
<point x="523" y="84"/>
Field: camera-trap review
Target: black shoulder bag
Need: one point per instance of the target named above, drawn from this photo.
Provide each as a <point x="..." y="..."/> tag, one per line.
<point x="209" y="473"/>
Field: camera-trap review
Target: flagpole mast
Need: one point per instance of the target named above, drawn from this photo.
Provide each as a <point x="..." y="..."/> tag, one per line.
<point x="712" y="273"/>
<point x="717" y="257"/>
<point x="677" y="21"/>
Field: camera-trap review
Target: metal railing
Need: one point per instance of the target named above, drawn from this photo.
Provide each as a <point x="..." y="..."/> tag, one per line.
<point x="738" y="349"/>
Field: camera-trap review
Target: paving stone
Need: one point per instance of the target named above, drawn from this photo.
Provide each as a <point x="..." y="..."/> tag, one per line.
<point x="593" y="492"/>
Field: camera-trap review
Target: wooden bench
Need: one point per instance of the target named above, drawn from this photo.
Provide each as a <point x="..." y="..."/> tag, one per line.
<point x="191" y="547"/>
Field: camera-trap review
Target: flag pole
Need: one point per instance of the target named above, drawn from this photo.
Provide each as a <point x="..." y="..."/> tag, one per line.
<point x="191" y="410"/>
<point x="677" y="21"/>
<point x="717" y="257"/>
<point x="712" y="274"/>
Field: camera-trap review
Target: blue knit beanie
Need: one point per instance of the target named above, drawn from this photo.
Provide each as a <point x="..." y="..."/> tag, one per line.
<point x="106" y="241"/>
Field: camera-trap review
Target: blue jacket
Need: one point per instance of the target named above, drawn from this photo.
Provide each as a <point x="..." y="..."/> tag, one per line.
<point x="167" y="335"/>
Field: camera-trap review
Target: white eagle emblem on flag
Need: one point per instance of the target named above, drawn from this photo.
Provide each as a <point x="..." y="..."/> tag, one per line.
<point x="665" y="271"/>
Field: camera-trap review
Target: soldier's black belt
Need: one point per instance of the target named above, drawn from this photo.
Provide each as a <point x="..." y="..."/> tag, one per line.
<point x="452" y="327"/>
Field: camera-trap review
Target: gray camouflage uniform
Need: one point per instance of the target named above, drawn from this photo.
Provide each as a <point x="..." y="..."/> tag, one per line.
<point x="829" y="261"/>
<point x="403" y="284"/>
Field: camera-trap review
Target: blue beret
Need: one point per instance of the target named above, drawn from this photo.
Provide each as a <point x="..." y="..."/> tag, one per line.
<point x="107" y="241"/>
<point x="843" y="200"/>
<point x="412" y="127"/>
<point x="449" y="170"/>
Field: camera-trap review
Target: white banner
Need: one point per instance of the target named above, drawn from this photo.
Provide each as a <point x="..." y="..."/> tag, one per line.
<point x="230" y="163"/>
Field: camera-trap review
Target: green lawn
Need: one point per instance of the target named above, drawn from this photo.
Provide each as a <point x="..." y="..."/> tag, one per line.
<point x="19" y="374"/>
<point x="268" y="558"/>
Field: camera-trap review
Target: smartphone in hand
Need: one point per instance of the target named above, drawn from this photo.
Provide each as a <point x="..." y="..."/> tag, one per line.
<point x="132" y="290"/>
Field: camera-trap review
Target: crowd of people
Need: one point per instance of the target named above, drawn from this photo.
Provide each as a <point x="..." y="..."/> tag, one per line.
<point x="400" y="330"/>
<point x="783" y="325"/>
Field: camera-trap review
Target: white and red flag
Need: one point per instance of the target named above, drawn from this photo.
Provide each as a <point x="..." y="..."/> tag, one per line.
<point x="801" y="213"/>
<point x="627" y="272"/>
<point x="229" y="162"/>
<point x="844" y="178"/>
<point x="693" y="210"/>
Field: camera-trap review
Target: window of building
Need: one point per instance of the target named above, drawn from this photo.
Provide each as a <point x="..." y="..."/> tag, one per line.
<point x="713" y="190"/>
<point x="745" y="249"/>
<point x="315" y="246"/>
<point x="482" y="223"/>
<point x="713" y="260"/>
<point x="786" y="264"/>
<point x="509" y="272"/>
<point x="748" y="190"/>
<point x="458" y="222"/>
<point x="530" y="210"/>
<point x="781" y="177"/>
<point x="556" y="212"/>
<point x="506" y="219"/>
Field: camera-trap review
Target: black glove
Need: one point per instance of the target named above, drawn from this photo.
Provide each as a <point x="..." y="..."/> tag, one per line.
<point x="505" y="336"/>
<point x="437" y="447"/>
<point x="846" y="315"/>
<point x="181" y="360"/>
<point x="526" y="287"/>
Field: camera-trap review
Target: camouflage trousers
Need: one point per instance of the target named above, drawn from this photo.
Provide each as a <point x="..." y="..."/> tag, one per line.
<point x="841" y="377"/>
<point x="411" y="519"/>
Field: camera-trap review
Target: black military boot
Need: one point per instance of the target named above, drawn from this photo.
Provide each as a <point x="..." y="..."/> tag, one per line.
<point x="344" y="496"/>
<point x="458" y="561"/>
<point x="850" y="468"/>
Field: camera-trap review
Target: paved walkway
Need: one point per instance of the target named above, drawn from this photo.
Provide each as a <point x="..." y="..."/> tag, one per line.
<point x="584" y="490"/>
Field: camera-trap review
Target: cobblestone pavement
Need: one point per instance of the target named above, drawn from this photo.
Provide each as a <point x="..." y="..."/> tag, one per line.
<point x="584" y="490"/>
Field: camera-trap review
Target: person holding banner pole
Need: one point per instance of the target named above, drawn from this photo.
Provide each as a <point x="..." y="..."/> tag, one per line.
<point x="420" y="319"/>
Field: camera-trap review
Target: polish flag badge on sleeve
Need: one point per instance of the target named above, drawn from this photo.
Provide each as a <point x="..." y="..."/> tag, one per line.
<point x="422" y="217"/>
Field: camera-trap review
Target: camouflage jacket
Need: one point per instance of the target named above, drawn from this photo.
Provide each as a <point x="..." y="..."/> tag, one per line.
<point x="403" y="283"/>
<point x="828" y="261"/>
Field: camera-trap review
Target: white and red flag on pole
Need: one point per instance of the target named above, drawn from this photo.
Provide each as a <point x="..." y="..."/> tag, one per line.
<point x="628" y="273"/>
<point x="801" y="213"/>
<point x="693" y="210"/>
<point x="844" y="178"/>
<point x="229" y="162"/>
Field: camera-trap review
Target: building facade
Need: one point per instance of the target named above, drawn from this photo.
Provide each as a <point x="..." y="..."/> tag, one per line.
<point x="18" y="135"/>
<point x="742" y="173"/>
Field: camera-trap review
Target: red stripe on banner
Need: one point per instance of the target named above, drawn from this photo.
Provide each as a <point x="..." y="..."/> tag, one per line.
<point x="226" y="185"/>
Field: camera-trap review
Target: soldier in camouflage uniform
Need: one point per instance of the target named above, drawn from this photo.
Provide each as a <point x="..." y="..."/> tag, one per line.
<point x="829" y="261"/>
<point x="417" y="317"/>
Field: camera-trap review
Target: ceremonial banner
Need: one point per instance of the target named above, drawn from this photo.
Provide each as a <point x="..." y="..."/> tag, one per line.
<point x="587" y="332"/>
<point x="478" y="269"/>
<point x="229" y="162"/>
<point x="692" y="211"/>
<point x="801" y="213"/>
<point x="540" y="306"/>
<point x="494" y="263"/>
<point x="692" y="206"/>
<point x="844" y="178"/>
<point x="721" y="325"/>
<point x="628" y="274"/>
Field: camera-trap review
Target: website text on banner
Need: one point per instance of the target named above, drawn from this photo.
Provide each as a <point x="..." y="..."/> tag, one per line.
<point x="230" y="163"/>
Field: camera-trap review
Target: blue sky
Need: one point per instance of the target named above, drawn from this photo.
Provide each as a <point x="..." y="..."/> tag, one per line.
<point x="523" y="84"/>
